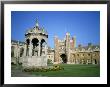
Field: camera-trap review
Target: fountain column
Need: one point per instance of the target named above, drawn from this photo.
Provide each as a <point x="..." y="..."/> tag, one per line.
<point x="39" y="48"/>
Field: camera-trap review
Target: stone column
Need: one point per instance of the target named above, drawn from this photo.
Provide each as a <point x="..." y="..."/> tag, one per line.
<point x="17" y="53"/>
<point x="87" y="61"/>
<point x="68" y="57"/>
<point x="46" y="49"/>
<point x="24" y="54"/>
<point x="39" y="48"/>
<point x="30" y="48"/>
<point x="14" y="51"/>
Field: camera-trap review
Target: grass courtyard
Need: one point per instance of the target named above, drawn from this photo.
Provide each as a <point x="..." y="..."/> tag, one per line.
<point x="70" y="70"/>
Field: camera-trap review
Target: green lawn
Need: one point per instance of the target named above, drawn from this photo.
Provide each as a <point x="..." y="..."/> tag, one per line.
<point x="71" y="70"/>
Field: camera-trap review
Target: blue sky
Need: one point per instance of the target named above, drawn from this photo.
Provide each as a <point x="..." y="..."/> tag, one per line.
<point x="85" y="25"/>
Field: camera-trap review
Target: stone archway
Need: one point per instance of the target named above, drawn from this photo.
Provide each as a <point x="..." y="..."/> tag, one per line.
<point x="43" y="43"/>
<point x="27" y="41"/>
<point x="27" y="47"/>
<point x="35" y="49"/>
<point x="94" y="61"/>
<point x="64" y="58"/>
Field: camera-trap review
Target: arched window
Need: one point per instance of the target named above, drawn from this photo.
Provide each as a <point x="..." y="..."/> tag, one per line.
<point x="89" y="54"/>
<point x="73" y="55"/>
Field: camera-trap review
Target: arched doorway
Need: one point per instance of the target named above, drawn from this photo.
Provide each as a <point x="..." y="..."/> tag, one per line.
<point x="94" y="61"/>
<point x="64" y="58"/>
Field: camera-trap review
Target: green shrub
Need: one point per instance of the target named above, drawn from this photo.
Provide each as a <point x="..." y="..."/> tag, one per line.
<point x="49" y="61"/>
<point x="20" y="63"/>
<point x="54" y="68"/>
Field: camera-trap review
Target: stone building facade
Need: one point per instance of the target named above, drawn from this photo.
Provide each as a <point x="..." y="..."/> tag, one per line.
<point x="17" y="51"/>
<point x="50" y="54"/>
<point x="34" y="51"/>
<point x="67" y="52"/>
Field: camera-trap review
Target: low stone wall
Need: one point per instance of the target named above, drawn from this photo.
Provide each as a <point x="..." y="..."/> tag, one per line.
<point x="13" y="60"/>
<point x="34" y="61"/>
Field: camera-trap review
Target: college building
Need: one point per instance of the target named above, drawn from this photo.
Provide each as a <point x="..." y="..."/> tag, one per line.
<point x="34" y="51"/>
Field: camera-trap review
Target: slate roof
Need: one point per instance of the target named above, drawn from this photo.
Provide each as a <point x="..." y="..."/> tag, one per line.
<point x="87" y="48"/>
